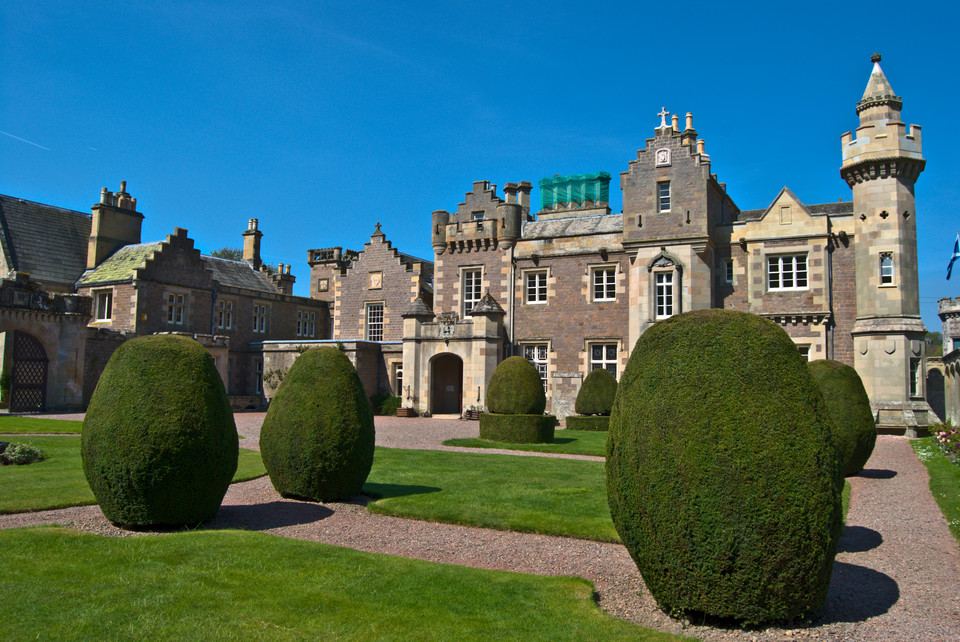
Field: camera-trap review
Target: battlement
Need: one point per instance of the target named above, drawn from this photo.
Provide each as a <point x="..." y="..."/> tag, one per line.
<point x="483" y="220"/>
<point x="948" y="306"/>
<point x="331" y="255"/>
<point x="881" y="139"/>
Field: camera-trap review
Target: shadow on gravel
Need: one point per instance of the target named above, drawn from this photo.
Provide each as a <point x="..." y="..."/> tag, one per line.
<point x="857" y="593"/>
<point x="385" y="491"/>
<point x="857" y="539"/>
<point x="275" y="514"/>
<point x="877" y="473"/>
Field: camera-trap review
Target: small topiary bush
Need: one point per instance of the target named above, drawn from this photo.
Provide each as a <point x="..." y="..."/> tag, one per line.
<point x="317" y="439"/>
<point x="723" y="476"/>
<point x="597" y="393"/>
<point x="515" y="389"/>
<point x="849" y="406"/>
<point x="159" y="445"/>
<point x="518" y="429"/>
<point x="591" y="422"/>
<point x="20" y="454"/>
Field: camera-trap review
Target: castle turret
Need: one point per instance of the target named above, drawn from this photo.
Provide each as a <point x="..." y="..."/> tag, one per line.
<point x="881" y="165"/>
<point x="438" y="234"/>
<point x="116" y="222"/>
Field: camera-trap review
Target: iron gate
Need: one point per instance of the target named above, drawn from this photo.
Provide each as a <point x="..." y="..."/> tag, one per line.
<point x="28" y="382"/>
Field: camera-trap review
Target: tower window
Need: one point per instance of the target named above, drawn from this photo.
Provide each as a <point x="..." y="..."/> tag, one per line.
<point x="471" y="289"/>
<point x="728" y="271"/>
<point x="915" y="372"/>
<point x="663" y="196"/>
<point x="787" y="272"/>
<point x="886" y="269"/>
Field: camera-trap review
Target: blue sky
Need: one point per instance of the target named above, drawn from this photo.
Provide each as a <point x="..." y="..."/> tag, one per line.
<point x="322" y="119"/>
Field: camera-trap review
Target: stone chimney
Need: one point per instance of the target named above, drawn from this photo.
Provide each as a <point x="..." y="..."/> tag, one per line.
<point x="116" y="222"/>
<point x="251" y="244"/>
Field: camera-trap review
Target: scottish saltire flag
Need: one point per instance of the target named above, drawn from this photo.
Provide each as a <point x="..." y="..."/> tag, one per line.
<point x="956" y="255"/>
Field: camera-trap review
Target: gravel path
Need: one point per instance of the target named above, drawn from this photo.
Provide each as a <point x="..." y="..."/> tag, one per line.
<point x="897" y="576"/>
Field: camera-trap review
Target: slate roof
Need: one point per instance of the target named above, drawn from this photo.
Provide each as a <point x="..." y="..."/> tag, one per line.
<point x="50" y="243"/>
<point x="238" y="274"/>
<point x="573" y="226"/>
<point x="120" y="265"/>
<point x="829" y="209"/>
<point x="418" y="308"/>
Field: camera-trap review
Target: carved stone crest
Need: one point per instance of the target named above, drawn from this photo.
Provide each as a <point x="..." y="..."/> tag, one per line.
<point x="448" y="322"/>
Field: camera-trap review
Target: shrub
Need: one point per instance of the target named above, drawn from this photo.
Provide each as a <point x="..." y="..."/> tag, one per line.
<point x="723" y="477"/>
<point x="159" y="445"/>
<point x="849" y="407"/>
<point x="597" y="393"/>
<point x="518" y="429"/>
<point x="947" y="436"/>
<point x="317" y="439"/>
<point x="592" y="422"/>
<point x="515" y="389"/>
<point x="20" y="454"/>
<point x="385" y="404"/>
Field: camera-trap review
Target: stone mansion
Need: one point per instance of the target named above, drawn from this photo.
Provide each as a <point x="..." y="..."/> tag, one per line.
<point x="570" y="286"/>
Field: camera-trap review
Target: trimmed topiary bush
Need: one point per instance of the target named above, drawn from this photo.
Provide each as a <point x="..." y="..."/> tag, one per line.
<point x="597" y="393"/>
<point x="159" y="445"/>
<point x="515" y="388"/>
<point x="849" y="406"/>
<point x="317" y="439"/>
<point x="723" y="475"/>
<point x="590" y="422"/>
<point x="518" y="429"/>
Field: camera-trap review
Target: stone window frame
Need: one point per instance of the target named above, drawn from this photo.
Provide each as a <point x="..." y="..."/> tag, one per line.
<point x="261" y="312"/>
<point x="595" y="270"/>
<point x="176" y="304"/>
<point x="106" y="297"/>
<point x="664" y="294"/>
<point x="368" y="325"/>
<point x="915" y="377"/>
<point x="306" y="323"/>
<point x="728" y="271"/>
<point x="225" y="314"/>
<point x="665" y="263"/>
<point x="464" y="271"/>
<point x="526" y="273"/>
<point x="396" y="371"/>
<point x="536" y="344"/>
<point x="891" y="277"/>
<point x="604" y="361"/>
<point x="805" y="350"/>
<point x="780" y="258"/>
<point x="663" y="196"/>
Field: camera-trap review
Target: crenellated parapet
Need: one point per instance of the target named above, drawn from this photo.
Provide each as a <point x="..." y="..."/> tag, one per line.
<point x="483" y="221"/>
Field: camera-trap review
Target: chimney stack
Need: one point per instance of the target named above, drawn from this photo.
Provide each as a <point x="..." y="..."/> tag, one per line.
<point x="115" y="223"/>
<point x="251" y="244"/>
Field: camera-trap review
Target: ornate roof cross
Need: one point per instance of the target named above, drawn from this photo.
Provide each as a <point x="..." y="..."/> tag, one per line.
<point x="663" y="117"/>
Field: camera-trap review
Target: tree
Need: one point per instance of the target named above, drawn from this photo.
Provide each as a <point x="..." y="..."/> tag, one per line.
<point x="230" y="253"/>
<point x="934" y="344"/>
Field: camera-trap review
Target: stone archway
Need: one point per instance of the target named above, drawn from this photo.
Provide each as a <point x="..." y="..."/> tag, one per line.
<point x="28" y="376"/>
<point x="446" y="384"/>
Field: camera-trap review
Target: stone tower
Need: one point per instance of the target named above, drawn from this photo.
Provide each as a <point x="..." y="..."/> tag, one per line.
<point x="881" y="164"/>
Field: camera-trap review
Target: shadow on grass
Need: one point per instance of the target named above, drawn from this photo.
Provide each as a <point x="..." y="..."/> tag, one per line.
<point x="857" y="539"/>
<point x="877" y="473"/>
<point x="275" y="514"/>
<point x="386" y="491"/>
<point x="562" y="440"/>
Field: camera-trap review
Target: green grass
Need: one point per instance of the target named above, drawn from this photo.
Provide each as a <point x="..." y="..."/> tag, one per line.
<point x="845" y="499"/>
<point x="60" y="584"/>
<point x="576" y="442"/>
<point x="532" y="494"/>
<point x="58" y="481"/>
<point x="944" y="481"/>
<point x="10" y="424"/>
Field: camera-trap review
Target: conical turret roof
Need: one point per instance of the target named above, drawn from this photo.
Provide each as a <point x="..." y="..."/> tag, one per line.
<point x="878" y="91"/>
<point x="418" y="309"/>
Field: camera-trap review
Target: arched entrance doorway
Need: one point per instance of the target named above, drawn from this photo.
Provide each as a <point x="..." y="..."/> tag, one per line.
<point x="28" y="376"/>
<point x="446" y="384"/>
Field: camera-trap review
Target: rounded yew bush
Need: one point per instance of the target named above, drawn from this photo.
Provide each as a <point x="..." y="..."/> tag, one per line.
<point x="723" y="475"/>
<point x="597" y="393"/>
<point x="159" y="445"/>
<point x="849" y="406"/>
<point x="515" y="388"/>
<point x="317" y="439"/>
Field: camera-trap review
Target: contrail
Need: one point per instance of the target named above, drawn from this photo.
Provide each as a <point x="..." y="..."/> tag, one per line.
<point x="24" y="140"/>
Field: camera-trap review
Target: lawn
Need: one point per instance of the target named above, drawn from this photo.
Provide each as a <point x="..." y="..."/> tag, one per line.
<point x="10" y="424"/>
<point x="61" y="584"/>
<point x="576" y="442"/>
<point x="58" y="481"/>
<point x="944" y="480"/>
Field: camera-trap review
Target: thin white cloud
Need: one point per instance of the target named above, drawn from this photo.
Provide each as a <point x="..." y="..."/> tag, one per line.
<point x="24" y="140"/>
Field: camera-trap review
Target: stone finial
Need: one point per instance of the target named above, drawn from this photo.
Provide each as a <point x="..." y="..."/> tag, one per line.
<point x="663" y="118"/>
<point x="377" y="232"/>
<point x="875" y="57"/>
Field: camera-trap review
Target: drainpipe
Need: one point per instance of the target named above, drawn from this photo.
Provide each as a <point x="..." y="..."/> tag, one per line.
<point x="512" y="305"/>
<point x="831" y="246"/>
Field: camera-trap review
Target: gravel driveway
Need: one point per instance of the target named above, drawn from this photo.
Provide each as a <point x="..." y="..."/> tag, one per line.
<point x="897" y="575"/>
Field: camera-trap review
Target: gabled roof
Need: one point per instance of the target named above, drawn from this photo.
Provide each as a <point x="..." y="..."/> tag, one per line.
<point x="238" y="274"/>
<point x="121" y="265"/>
<point x="50" y="243"/>
<point x="840" y="208"/>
